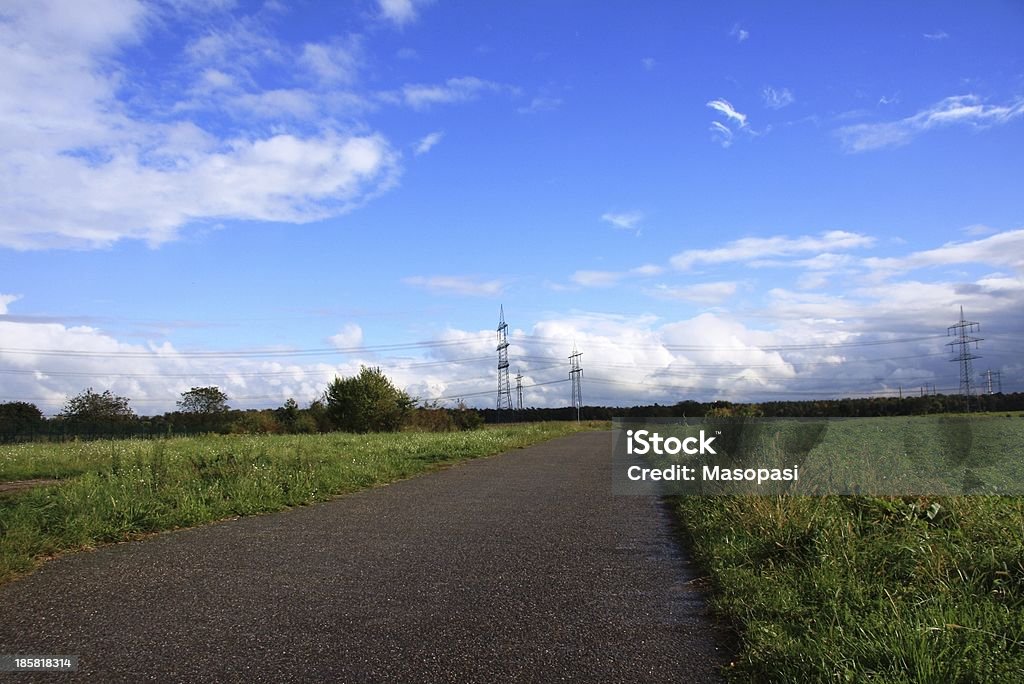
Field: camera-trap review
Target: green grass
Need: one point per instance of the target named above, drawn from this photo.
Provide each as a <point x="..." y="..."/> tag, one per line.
<point x="116" y="490"/>
<point x="866" y="589"/>
<point x="919" y="588"/>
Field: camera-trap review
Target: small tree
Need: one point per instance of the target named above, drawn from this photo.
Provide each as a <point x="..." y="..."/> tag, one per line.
<point x="89" y="405"/>
<point x="368" y="402"/>
<point x="206" y="400"/>
<point x="97" y="412"/>
<point x="20" y="418"/>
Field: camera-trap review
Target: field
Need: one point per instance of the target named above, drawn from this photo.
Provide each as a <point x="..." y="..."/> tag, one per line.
<point x="869" y="588"/>
<point x="112" y="490"/>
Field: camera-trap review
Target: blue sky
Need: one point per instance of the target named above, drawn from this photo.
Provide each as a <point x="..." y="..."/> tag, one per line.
<point x="730" y="200"/>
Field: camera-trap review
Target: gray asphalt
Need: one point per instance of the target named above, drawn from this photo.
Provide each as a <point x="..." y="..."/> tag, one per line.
<point x="520" y="567"/>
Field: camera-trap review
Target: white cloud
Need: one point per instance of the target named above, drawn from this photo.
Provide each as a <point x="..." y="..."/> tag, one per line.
<point x="335" y="63"/>
<point x="608" y="278"/>
<point x="77" y="170"/>
<point x="1002" y="249"/>
<point x="776" y="99"/>
<point x="541" y="104"/>
<point x="739" y="33"/>
<point x="351" y="335"/>
<point x="936" y="35"/>
<point x="627" y="220"/>
<point x="967" y="110"/>
<point x="721" y="133"/>
<point x="649" y="63"/>
<point x="151" y="375"/>
<point x="275" y="104"/>
<point x="597" y="278"/>
<point x="427" y="142"/>
<point x="215" y="79"/>
<point x="701" y="293"/>
<point x="729" y="111"/>
<point x="754" y="249"/>
<point x="6" y="299"/>
<point x="457" y="285"/>
<point x="462" y="89"/>
<point x="979" y="229"/>
<point x="401" y="12"/>
<point x="282" y="178"/>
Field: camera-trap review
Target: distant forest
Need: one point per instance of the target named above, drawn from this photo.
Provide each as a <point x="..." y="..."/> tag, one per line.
<point x="104" y="415"/>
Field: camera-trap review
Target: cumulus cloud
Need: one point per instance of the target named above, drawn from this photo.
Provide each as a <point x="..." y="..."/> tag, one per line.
<point x="739" y="33"/>
<point x="457" y="285"/>
<point x="961" y="110"/>
<point x="281" y="178"/>
<point x="151" y="375"/>
<point x="400" y="12"/>
<point x="351" y="335"/>
<point x="77" y="169"/>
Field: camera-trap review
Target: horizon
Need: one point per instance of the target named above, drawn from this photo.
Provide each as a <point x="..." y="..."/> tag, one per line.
<point x="730" y="202"/>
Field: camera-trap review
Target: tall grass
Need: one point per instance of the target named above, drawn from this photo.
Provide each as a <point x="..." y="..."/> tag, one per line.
<point x="866" y="589"/>
<point x="116" y="490"/>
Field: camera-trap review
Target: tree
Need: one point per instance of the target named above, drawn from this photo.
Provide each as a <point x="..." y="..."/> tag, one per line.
<point x="207" y="400"/>
<point x="20" y="418"/>
<point x="97" y="412"/>
<point x="368" y="402"/>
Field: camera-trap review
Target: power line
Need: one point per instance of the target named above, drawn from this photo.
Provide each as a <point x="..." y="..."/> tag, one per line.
<point x="777" y="347"/>
<point x="244" y="353"/>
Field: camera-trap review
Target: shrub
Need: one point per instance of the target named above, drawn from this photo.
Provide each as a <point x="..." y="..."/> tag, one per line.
<point x="368" y="402"/>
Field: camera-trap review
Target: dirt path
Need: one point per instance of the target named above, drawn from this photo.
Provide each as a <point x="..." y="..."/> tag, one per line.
<point x="17" y="485"/>
<point x="521" y="567"/>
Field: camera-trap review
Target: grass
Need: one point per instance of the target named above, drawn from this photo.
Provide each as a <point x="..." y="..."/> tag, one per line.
<point x="116" y="490"/>
<point x="866" y="588"/>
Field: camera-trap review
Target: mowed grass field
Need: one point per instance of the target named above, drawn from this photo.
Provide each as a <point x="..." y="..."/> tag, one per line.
<point x="868" y="588"/>
<point x="113" y="490"/>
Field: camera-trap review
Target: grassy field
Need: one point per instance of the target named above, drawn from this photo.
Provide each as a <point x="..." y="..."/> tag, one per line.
<point x="867" y="588"/>
<point x="115" y="490"/>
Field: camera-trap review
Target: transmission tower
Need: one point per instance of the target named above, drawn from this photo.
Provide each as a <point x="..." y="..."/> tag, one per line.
<point x="993" y="379"/>
<point x="961" y="346"/>
<point x="519" y="390"/>
<point x="576" y="374"/>
<point x="504" y="392"/>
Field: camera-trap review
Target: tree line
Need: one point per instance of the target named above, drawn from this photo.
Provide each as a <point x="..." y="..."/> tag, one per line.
<point x="366" y="402"/>
<point x="370" y="402"/>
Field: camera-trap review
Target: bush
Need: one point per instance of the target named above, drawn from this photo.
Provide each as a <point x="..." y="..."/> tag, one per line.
<point x="368" y="402"/>
<point x="256" y="423"/>
<point x="430" y="420"/>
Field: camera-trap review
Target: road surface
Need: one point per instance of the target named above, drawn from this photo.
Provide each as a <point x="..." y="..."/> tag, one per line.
<point x="521" y="567"/>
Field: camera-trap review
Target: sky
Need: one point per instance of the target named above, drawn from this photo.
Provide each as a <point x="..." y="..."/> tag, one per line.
<point x="731" y="200"/>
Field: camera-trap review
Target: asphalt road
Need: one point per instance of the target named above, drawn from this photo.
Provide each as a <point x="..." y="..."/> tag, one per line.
<point x="521" y="567"/>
